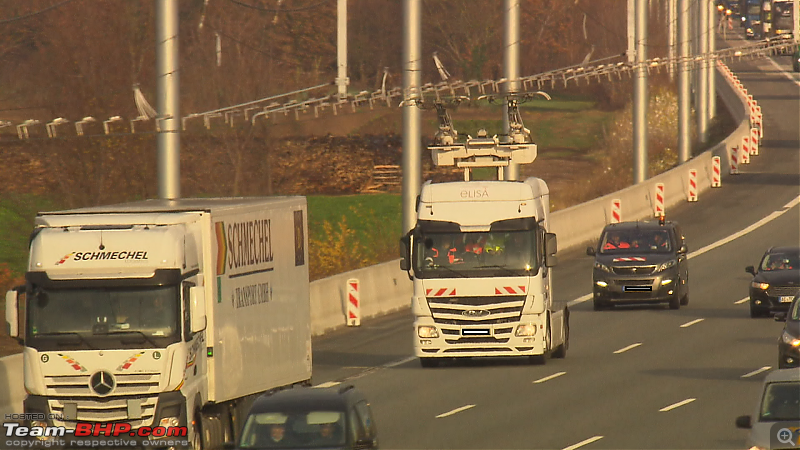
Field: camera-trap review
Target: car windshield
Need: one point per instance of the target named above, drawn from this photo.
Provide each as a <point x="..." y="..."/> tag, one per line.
<point x="300" y="429"/>
<point x="795" y="313"/>
<point x="493" y="254"/>
<point x="780" y="261"/>
<point x="646" y="241"/>
<point x="781" y="402"/>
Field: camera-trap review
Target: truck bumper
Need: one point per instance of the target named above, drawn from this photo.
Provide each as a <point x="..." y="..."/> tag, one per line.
<point x="466" y="341"/>
<point x="170" y="408"/>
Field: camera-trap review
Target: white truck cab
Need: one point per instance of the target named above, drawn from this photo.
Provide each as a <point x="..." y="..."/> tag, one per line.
<point x="480" y="257"/>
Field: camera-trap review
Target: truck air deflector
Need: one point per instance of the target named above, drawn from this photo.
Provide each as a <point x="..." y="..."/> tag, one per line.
<point x="161" y="277"/>
<point x="518" y="224"/>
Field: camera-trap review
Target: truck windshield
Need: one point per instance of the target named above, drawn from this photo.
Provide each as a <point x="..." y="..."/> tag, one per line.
<point x="103" y="318"/>
<point x="489" y="254"/>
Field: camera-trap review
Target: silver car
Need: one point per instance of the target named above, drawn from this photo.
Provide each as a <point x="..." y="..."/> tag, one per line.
<point x="775" y="423"/>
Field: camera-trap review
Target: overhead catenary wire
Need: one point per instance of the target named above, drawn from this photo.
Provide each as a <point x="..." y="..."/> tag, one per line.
<point x="27" y="16"/>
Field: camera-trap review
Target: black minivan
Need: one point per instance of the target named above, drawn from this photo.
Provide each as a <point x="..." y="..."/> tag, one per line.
<point x="336" y="417"/>
<point x="640" y="262"/>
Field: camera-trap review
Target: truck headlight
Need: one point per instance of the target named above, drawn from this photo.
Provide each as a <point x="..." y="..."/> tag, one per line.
<point x="664" y="266"/>
<point x="427" y="331"/>
<point x="602" y="267"/>
<point x="757" y="285"/>
<point x="526" y="329"/>
<point x="789" y="339"/>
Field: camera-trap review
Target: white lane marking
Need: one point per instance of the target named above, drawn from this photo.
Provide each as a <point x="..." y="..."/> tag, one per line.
<point x="327" y="384"/>
<point x="720" y="242"/>
<point x="688" y="324"/>
<point x="738" y="234"/>
<point x="625" y="349"/>
<point x="580" y="299"/>
<point x="550" y="377"/>
<point x="756" y="372"/>
<point x="455" y="411"/>
<point x="583" y="442"/>
<point x="398" y="362"/>
<point x="677" y="405"/>
<point x="744" y="300"/>
<point x="785" y="73"/>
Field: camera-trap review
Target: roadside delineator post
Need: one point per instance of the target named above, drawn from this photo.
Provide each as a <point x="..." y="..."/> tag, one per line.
<point x="716" y="175"/>
<point x="734" y="152"/>
<point x="616" y="210"/>
<point x="658" y="205"/>
<point x="744" y="155"/>
<point x="353" y="303"/>
<point x="754" y="141"/>
<point x="759" y="118"/>
<point x="692" y="194"/>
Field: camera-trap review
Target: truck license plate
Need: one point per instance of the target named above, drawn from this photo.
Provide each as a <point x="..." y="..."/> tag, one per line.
<point x="786" y="299"/>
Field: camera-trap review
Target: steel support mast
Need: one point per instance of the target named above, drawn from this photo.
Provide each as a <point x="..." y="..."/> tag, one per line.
<point x="168" y="96"/>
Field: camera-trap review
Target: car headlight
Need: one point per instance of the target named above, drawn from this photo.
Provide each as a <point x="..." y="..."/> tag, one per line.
<point x="427" y="331"/>
<point x="757" y="285"/>
<point x="602" y="267"/>
<point x="789" y="339"/>
<point x="664" y="266"/>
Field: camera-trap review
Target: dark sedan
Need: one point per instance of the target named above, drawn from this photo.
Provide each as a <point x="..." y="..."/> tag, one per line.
<point x="775" y="282"/>
<point x="789" y="342"/>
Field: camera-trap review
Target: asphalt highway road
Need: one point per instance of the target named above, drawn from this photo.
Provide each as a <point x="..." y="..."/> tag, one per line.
<point x="634" y="377"/>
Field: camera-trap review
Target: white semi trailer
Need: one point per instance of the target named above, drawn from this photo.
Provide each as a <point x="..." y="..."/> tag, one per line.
<point x="164" y="313"/>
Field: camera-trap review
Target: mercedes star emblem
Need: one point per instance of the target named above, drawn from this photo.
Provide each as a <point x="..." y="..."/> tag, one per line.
<point x="102" y="382"/>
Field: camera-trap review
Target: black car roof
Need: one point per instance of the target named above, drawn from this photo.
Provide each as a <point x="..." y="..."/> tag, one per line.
<point x="302" y="398"/>
<point x="784" y="249"/>
<point x="640" y="225"/>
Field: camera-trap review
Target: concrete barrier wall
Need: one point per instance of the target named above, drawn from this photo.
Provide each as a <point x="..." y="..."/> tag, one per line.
<point x="12" y="389"/>
<point x="384" y="288"/>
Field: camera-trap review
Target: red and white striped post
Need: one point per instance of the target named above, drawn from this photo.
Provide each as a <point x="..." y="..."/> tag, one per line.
<point x="754" y="141"/>
<point x="692" y="193"/>
<point x="744" y="155"/>
<point x="716" y="175"/>
<point x="658" y="205"/>
<point x="734" y="152"/>
<point x="759" y="119"/>
<point x="616" y="210"/>
<point x="353" y="303"/>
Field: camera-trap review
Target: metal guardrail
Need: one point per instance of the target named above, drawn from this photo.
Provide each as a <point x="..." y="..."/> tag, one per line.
<point x="270" y="107"/>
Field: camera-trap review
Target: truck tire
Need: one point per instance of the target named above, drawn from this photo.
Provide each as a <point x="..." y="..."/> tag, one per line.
<point x="428" y="362"/>
<point x="197" y="436"/>
<point x="675" y="302"/>
<point x="561" y="350"/>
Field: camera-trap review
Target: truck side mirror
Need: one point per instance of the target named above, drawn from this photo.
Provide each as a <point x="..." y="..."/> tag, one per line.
<point x="405" y="252"/>
<point x="12" y="313"/>
<point x="590" y="251"/>
<point x="197" y="300"/>
<point x="550" y="249"/>
<point x="750" y="269"/>
<point x="743" y="422"/>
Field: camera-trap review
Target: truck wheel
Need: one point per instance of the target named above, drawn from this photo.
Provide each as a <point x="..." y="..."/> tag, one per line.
<point x="429" y="362"/>
<point x="197" y="436"/>
<point x="675" y="302"/>
<point x="561" y="350"/>
<point x="685" y="299"/>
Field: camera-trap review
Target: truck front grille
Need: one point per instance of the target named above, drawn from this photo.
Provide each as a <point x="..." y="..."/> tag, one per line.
<point x="126" y="384"/>
<point x="476" y="310"/>
<point x="633" y="270"/>
<point x="104" y="410"/>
